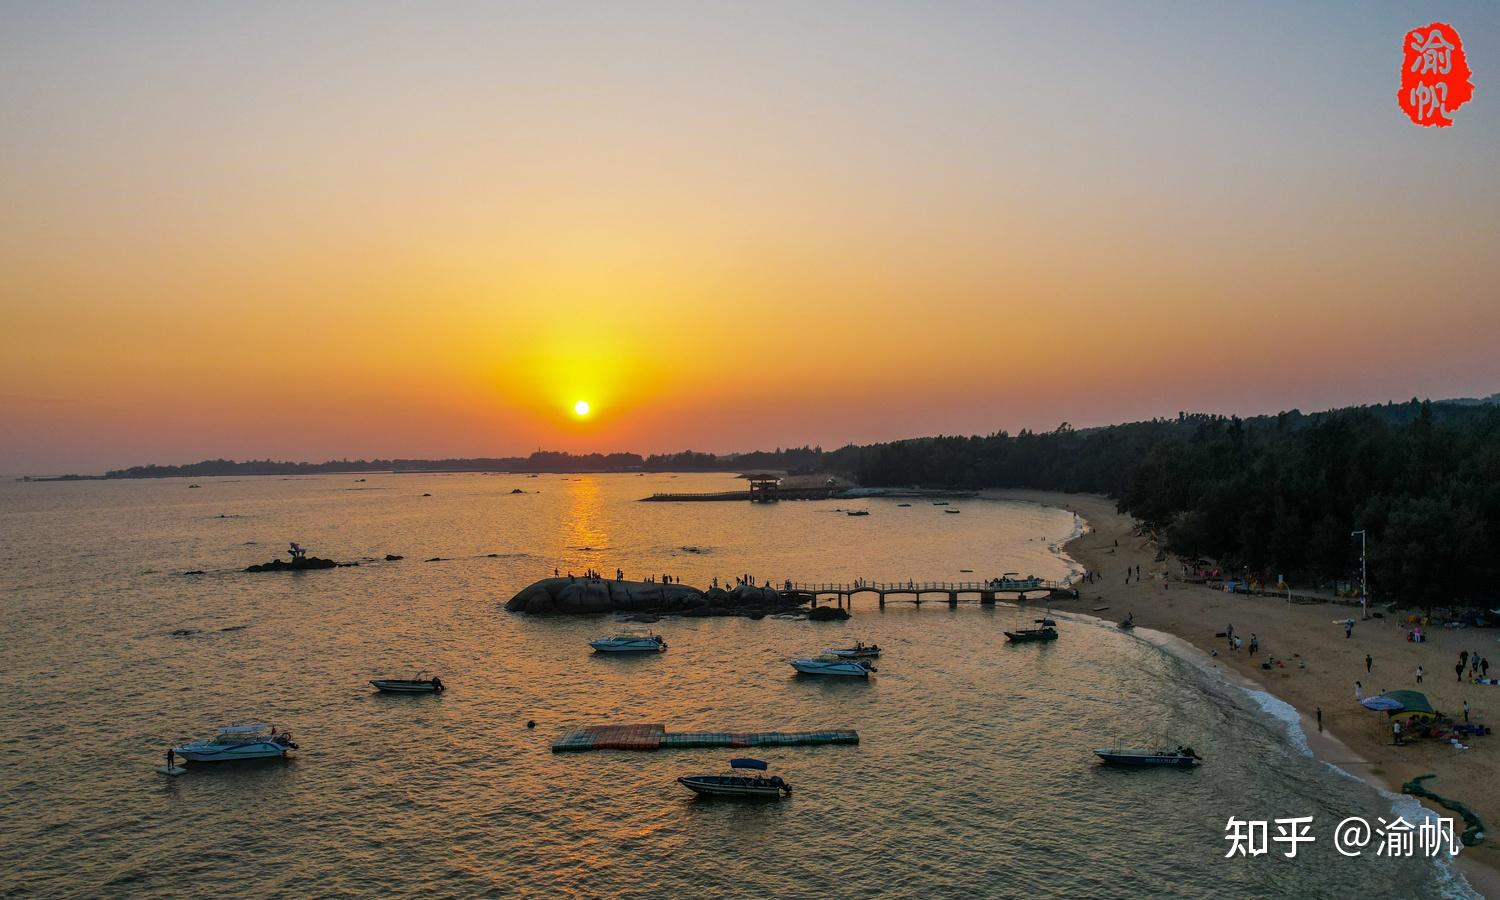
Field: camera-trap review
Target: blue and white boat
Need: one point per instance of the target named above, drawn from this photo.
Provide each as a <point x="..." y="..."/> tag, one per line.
<point x="828" y="664"/>
<point x="1182" y="757"/>
<point x="257" y="740"/>
<point x="737" y="783"/>
<point x="630" y="643"/>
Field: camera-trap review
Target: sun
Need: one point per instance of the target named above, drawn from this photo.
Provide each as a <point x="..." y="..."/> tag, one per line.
<point x="581" y="408"/>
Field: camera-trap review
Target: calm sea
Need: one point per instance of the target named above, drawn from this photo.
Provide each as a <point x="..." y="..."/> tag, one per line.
<point x="973" y="777"/>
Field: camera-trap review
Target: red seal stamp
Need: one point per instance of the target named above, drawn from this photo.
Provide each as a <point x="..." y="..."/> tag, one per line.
<point x="1434" y="75"/>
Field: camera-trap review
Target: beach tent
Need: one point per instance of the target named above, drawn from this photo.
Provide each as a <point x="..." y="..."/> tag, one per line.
<point x="1411" y="702"/>
<point x="1382" y="704"/>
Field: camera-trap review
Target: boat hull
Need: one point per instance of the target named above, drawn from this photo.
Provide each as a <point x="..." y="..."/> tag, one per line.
<point x="848" y="670"/>
<point x="642" y="646"/>
<point x="233" y="753"/>
<point x="718" y="786"/>
<point x="404" y="687"/>
<point x="1170" y="760"/>
<point x="1027" y="637"/>
<point x="855" y="654"/>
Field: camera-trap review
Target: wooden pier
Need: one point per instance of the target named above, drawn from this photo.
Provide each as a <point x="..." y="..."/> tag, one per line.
<point x="914" y="591"/>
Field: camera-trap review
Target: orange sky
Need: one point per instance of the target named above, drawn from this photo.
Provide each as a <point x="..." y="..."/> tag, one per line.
<point x="327" y="233"/>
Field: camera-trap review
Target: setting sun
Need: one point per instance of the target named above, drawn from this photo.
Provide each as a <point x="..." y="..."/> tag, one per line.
<point x="581" y="408"/>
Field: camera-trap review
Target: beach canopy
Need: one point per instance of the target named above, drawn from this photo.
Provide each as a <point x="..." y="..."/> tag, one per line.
<point x="744" y="762"/>
<point x="1381" y="704"/>
<point x="1411" y="701"/>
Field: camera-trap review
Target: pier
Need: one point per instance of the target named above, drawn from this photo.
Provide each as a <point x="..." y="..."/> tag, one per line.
<point x="953" y="591"/>
<point x="656" y="737"/>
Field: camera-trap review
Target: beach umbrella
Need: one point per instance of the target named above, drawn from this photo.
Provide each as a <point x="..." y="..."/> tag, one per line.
<point x="1411" y="701"/>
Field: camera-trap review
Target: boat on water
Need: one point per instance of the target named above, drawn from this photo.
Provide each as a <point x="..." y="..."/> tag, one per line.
<point x="1046" y="630"/>
<point x="1180" y="756"/>
<point x="417" y="684"/>
<point x="828" y="664"/>
<point x="859" y="512"/>
<point x="737" y="784"/>
<point x="860" y="650"/>
<point x="954" y="511"/>
<point x="903" y="504"/>
<point x="630" y="643"/>
<point x="256" y="740"/>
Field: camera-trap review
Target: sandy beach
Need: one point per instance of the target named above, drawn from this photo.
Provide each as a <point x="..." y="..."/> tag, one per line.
<point x="1321" y="665"/>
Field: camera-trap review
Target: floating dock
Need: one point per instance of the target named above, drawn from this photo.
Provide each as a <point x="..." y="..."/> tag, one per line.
<point x="656" y="737"/>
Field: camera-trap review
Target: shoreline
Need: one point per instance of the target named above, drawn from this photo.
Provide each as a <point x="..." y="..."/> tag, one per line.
<point x="1327" y="664"/>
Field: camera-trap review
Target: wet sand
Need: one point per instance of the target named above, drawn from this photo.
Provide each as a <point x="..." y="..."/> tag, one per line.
<point x="1320" y="665"/>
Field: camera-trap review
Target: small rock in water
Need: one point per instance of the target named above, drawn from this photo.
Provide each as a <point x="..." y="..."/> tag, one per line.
<point x="436" y="559"/>
<point x="391" y="557"/>
<point x="426" y="495"/>
<point x="194" y="572"/>
<point x="530" y="723"/>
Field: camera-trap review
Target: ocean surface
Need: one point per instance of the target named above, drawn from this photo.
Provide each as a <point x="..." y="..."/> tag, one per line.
<point x="973" y="777"/>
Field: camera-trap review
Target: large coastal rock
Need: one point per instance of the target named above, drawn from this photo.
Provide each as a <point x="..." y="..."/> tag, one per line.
<point x="296" y="565"/>
<point x="593" y="596"/>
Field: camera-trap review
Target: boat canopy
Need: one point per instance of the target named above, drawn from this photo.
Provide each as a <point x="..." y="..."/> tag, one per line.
<point x="252" y="728"/>
<point x="744" y="762"/>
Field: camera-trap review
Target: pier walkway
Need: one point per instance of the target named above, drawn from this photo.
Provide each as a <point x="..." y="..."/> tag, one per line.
<point x="914" y="591"/>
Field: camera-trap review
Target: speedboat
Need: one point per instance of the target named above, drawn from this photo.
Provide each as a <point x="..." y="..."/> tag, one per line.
<point x="232" y="742"/>
<point x="414" y="685"/>
<point x="828" y="664"/>
<point x="1046" y="632"/>
<point x="860" y="650"/>
<point x="736" y="784"/>
<point x="1182" y="757"/>
<point x="630" y="643"/>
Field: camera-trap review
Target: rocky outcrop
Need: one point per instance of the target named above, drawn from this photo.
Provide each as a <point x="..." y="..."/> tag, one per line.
<point x="826" y="614"/>
<point x="592" y="596"/>
<point x="295" y="565"/>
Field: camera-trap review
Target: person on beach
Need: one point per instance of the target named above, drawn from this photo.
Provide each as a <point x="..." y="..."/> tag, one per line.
<point x="1466" y="718"/>
<point x="1359" y="692"/>
<point x="1458" y="671"/>
<point x="1254" y="644"/>
<point x="1320" y="718"/>
<point x="1419" y="674"/>
<point x="1484" y="667"/>
<point x="1348" y="629"/>
<point x="1463" y="658"/>
<point x="1396" y="732"/>
<point x="1369" y="662"/>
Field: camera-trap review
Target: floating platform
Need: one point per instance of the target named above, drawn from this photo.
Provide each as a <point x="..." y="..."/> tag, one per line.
<point x="656" y="737"/>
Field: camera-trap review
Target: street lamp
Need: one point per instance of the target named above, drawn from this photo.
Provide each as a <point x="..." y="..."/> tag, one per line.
<point x="1364" y="584"/>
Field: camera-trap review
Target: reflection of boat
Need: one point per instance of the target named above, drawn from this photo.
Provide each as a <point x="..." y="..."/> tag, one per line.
<point x="1183" y="757"/>
<point x="414" y="685"/>
<point x="630" y="643"/>
<point x="736" y="784"/>
<point x="954" y="511"/>
<point x="833" y="665"/>
<point x="858" y="651"/>
<point x="233" y="742"/>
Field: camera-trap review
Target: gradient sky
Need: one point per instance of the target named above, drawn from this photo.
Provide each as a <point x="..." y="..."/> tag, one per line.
<point x="313" y="230"/>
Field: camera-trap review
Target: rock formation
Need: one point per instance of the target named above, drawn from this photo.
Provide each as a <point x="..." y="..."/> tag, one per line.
<point x="584" y="596"/>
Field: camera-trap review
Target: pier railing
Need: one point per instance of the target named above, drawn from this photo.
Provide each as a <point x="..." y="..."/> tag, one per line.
<point x="908" y="587"/>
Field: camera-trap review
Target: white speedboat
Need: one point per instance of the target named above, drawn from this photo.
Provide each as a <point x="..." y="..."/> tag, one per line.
<point x="737" y="784"/>
<point x="828" y="664"/>
<point x="234" y="742"/>
<point x="630" y="643"/>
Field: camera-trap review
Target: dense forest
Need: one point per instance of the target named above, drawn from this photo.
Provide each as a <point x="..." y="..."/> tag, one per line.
<point x="1272" y="494"/>
<point x="1276" y="494"/>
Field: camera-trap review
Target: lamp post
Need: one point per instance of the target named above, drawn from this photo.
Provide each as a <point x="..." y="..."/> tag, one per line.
<point x="1364" y="584"/>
